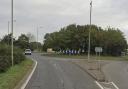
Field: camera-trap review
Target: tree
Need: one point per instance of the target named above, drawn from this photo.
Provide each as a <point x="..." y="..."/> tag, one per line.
<point x="31" y="37"/>
<point x="34" y="45"/>
<point x="115" y="43"/>
<point x="76" y="37"/>
<point x="22" y="42"/>
<point x="7" y="39"/>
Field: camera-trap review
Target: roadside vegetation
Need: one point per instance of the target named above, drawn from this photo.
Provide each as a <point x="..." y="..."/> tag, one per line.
<point x="75" y="37"/>
<point x="10" y="75"/>
<point x="11" y="78"/>
<point x="5" y="57"/>
<point x="24" y="41"/>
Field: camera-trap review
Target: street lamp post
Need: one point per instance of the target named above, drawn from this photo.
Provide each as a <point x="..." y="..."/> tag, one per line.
<point x="8" y="31"/>
<point x="8" y="27"/>
<point x="38" y="36"/>
<point x="89" y="43"/>
<point x="12" y="31"/>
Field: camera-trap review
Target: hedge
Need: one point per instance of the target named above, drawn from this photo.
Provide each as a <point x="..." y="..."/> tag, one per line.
<point x="5" y="57"/>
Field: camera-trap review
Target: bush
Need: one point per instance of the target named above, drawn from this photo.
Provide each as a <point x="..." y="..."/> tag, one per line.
<point x="18" y="56"/>
<point x="4" y="64"/>
<point x="5" y="57"/>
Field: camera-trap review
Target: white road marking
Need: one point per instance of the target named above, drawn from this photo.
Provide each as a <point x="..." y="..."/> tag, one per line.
<point x="61" y="79"/>
<point x="110" y="83"/>
<point x="99" y="84"/>
<point x="28" y="79"/>
<point x="115" y="85"/>
<point x="107" y="82"/>
<point x="106" y="88"/>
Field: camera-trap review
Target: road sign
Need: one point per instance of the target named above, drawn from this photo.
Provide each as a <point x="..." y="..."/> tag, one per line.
<point x="98" y="49"/>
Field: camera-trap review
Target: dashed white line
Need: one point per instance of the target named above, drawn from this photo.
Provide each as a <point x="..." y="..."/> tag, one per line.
<point x="61" y="79"/>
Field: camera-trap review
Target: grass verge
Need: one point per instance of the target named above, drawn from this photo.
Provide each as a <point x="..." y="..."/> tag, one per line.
<point x="9" y="79"/>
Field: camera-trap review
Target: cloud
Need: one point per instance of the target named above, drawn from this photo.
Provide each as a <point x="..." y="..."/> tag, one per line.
<point x="54" y="14"/>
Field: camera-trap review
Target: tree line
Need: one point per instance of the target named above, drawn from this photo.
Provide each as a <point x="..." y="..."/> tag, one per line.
<point x="23" y="42"/>
<point x="75" y="37"/>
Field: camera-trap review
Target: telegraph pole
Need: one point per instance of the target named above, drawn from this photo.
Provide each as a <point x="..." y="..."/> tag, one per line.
<point x="89" y="42"/>
<point x="12" y="32"/>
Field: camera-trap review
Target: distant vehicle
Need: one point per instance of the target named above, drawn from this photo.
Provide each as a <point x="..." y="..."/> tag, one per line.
<point x="28" y="52"/>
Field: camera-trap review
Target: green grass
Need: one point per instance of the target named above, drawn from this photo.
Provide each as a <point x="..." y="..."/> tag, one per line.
<point x="9" y="79"/>
<point x="85" y="57"/>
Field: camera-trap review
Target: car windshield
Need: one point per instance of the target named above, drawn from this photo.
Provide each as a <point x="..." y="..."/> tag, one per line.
<point x="27" y="50"/>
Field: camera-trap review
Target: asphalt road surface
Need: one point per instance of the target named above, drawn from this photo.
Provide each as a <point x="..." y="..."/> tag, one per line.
<point x="59" y="74"/>
<point x="117" y="72"/>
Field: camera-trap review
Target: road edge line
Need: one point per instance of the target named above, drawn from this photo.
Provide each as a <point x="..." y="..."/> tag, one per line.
<point x="30" y="75"/>
<point x="99" y="85"/>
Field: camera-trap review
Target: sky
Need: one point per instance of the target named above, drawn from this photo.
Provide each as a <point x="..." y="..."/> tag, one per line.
<point x="51" y="15"/>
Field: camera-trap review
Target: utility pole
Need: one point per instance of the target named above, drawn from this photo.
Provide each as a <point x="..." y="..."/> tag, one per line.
<point x="37" y="38"/>
<point x="8" y="27"/>
<point x="89" y="43"/>
<point x="8" y="31"/>
<point x="12" y="32"/>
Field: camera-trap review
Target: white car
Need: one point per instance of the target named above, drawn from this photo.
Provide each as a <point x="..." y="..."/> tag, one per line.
<point x="28" y="52"/>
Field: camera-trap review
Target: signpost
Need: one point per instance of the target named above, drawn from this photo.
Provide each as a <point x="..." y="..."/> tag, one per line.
<point x="98" y="50"/>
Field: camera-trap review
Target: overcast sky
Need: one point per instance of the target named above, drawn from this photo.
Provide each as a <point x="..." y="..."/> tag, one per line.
<point x="51" y="15"/>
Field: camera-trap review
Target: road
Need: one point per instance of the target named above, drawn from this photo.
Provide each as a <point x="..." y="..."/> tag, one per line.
<point x="117" y="72"/>
<point x="59" y="74"/>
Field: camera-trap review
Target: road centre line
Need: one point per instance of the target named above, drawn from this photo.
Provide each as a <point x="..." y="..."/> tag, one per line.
<point x="61" y="79"/>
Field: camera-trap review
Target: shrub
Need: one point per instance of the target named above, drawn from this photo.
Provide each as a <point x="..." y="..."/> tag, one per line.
<point x="5" y="57"/>
<point x="18" y="56"/>
<point x="4" y="64"/>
